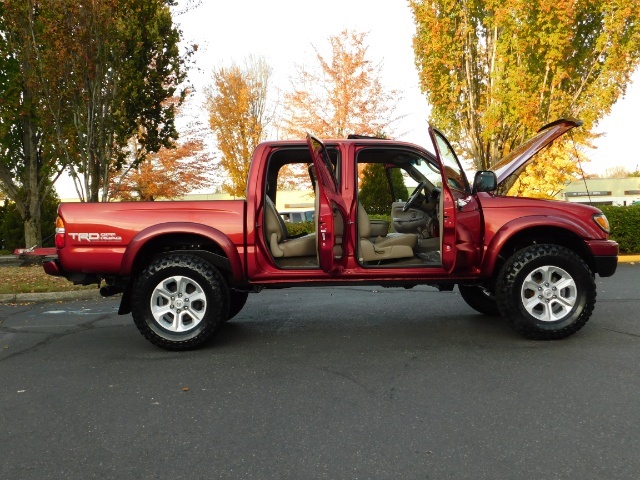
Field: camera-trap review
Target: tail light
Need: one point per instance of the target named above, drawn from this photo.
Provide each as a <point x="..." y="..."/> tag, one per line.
<point x="60" y="237"/>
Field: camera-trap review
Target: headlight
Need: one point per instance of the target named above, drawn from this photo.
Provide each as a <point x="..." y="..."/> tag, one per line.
<point x="601" y="221"/>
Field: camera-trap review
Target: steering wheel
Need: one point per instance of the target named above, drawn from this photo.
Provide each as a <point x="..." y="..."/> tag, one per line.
<point x="414" y="196"/>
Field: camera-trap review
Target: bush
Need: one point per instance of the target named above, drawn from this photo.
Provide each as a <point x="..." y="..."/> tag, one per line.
<point x="300" y="228"/>
<point x="625" y="227"/>
<point x="375" y="195"/>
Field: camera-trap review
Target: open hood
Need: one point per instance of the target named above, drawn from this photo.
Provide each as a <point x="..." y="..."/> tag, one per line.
<point x="509" y="168"/>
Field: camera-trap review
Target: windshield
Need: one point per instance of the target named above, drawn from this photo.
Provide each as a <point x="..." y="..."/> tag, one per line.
<point x="425" y="170"/>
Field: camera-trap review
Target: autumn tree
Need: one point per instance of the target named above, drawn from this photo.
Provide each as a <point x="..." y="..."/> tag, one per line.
<point x="123" y="62"/>
<point x="78" y="80"/>
<point x="342" y="94"/>
<point x="495" y="71"/>
<point x="28" y="161"/>
<point x="168" y="174"/>
<point x="557" y="166"/>
<point x="617" y="172"/>
<point x="237" y="106"/>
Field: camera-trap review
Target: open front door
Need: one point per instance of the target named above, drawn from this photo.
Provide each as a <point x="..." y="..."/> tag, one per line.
<point x="328" y="199"/>
<point x="458" y="212"/>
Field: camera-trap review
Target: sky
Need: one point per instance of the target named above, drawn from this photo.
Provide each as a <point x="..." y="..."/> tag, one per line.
<point x="285" y="31"/>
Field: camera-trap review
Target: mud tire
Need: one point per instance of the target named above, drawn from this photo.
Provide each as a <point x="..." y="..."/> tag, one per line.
<point x="153" y="307"/>
<point x="525" y="289"/>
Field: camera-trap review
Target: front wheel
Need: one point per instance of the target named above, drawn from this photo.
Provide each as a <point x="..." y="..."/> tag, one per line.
<point x="179" y="301"/>
<point x="546" y="292"/>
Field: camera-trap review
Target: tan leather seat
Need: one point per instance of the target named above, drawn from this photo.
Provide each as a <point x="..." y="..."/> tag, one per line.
<point x="382" y="248"/>
<point x="278" y="239"/>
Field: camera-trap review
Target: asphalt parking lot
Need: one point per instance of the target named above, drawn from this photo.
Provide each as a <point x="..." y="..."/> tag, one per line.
<point x="333" y="383"/>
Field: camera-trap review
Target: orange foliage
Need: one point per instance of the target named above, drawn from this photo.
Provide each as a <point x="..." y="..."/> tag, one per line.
<point x="236" y="105"/>
<point x="168" y="174"/>
<point x="343" y="95"/>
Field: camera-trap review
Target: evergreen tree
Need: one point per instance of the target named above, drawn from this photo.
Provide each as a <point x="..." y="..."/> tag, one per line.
<point x="375" y="195"/>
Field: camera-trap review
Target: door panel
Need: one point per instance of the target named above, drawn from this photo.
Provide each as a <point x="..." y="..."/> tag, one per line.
<point x="460" y="221"/>
<point x="409" y="221"/>
<point x="330" y="203"/>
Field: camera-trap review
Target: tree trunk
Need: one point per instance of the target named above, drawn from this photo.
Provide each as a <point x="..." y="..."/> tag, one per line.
<point x="32" y="232"/>
<point x="33" y="197"/>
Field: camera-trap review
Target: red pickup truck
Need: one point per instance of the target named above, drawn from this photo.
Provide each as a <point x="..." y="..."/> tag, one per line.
<point x="184" y="268"/>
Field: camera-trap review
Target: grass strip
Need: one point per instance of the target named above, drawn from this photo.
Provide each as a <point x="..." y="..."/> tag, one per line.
<point x="32" y="279"/>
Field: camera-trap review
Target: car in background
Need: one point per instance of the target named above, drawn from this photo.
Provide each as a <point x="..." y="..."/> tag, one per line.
<point x="297" y="217"/>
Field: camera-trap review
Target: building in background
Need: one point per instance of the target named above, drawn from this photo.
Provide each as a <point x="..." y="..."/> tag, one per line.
<point x="604" y="191"/>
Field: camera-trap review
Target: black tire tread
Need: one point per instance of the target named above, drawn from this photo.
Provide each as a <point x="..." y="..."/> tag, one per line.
<point x="218" y="312"/>
<point x="511" y="311"/>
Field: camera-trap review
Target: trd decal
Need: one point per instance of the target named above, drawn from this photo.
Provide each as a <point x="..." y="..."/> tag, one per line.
<point x="95" y="237"/>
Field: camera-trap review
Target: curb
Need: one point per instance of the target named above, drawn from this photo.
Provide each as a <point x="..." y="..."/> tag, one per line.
<point x="628" y="258"/>
<point x="49" y="296"/>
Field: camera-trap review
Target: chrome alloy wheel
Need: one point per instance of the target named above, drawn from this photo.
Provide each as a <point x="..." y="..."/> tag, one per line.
<point x="178" y="304"/>
<point x="549" y="293"/>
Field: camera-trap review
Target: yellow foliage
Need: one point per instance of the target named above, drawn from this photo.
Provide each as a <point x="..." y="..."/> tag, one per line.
<point x="551" y="170"/>
<point x="236" y="105"/>
<point x="494" y="71"/>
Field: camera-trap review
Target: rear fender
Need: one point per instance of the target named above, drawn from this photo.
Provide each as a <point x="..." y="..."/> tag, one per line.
<point x="234" y="265"/>
<point x="230" y="262"/>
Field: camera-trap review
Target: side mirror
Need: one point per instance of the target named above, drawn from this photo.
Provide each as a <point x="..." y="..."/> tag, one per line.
<point x="485" y="181"/>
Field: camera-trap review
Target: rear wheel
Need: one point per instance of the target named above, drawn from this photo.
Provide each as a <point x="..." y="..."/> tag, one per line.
<point x="179" y="301"/>
<point x="546" y="292"/>
<point x="480" y="299"/>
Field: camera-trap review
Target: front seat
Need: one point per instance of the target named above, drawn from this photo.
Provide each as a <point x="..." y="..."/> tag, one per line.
<point x="382" y="248"/>
<point x="278" y="238"/>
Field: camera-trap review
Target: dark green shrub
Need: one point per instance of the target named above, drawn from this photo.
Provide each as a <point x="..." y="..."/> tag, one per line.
<point x="386" y="217"/>
<point x="625" y="227"/>
<point x="375" y="195"/>
<point x="300" y="228"/>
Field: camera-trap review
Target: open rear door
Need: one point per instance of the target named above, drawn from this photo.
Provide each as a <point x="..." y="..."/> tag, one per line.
<point x="328" y="199"/>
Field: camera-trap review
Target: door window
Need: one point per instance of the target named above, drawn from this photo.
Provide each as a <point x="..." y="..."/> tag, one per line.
<point x="455" y="175"/>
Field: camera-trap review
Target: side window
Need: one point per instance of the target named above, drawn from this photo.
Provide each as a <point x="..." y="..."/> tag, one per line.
<point x="289" y="185"/>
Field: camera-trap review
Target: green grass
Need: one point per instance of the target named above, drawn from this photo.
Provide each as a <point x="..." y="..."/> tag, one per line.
<point x="32" y="279"/>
